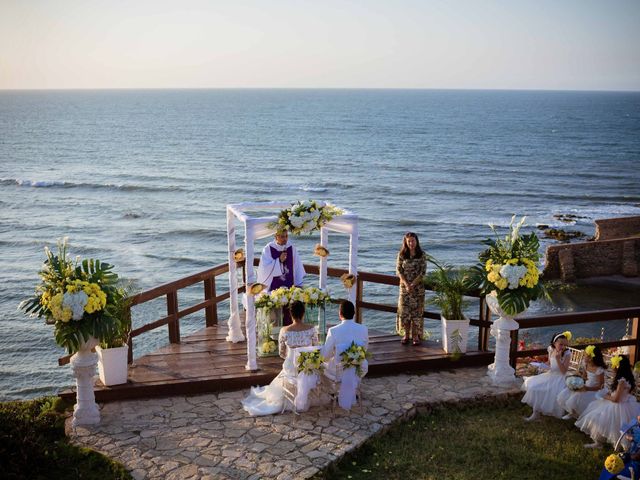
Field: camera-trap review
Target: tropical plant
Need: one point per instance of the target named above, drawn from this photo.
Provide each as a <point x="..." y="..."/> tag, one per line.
<point x="449" y="286"/>
<point x="78" y="298"/>
<point x="120" y="312"/>
<point x="508" y="269"/>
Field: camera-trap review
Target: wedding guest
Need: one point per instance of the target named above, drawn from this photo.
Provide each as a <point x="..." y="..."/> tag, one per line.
<point x="576" y="402"/>
<point x="604" y="417"/>
<point x="411" y="266"/>
<point x="542" y="390"/>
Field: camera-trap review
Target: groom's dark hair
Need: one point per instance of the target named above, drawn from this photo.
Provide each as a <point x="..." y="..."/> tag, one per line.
<point x="297" y="310"/>
<point x="347" y="310"/>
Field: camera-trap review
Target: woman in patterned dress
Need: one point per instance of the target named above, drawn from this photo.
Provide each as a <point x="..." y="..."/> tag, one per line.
<point x="411" y="267"/>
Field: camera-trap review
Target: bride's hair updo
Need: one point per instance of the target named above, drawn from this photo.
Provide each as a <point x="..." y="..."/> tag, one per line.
<point x="297" y="310"/>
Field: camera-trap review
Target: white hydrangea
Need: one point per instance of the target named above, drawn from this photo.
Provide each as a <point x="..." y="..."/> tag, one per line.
<point x="513" y="274"/>
<point x="76" y="302"/>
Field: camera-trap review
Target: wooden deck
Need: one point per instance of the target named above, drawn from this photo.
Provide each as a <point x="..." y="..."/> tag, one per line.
<point x="205" y="362"/>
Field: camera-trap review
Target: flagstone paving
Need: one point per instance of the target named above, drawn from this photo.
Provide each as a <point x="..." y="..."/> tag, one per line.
<point x="211" y="437"/>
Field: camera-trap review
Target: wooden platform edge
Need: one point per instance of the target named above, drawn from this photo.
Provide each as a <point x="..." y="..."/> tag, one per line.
<point x="130" y="391"/>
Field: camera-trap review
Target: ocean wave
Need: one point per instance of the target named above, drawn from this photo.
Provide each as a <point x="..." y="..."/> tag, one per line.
<point x="87" y="185"/>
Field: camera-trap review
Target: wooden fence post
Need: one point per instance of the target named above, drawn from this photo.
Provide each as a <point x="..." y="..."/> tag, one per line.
<point x="359" y="289"/>
<point x="634" y="350"/>
<point x="172" y="310"/>
<point x="210" y="312"/>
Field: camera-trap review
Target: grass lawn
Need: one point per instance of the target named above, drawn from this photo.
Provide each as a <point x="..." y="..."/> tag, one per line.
<point x="485" y="440"/>
<point x="33" y="445"/>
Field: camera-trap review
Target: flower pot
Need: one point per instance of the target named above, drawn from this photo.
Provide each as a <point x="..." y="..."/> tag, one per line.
<point x="455" y="334"/>
<point x="112" y="365"/>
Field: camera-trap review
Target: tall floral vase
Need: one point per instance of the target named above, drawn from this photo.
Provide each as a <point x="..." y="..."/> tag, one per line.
<point x="83" y="364"/>
<point x="500" y="371"/>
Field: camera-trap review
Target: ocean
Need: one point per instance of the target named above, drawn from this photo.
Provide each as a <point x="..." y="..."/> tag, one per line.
<point x="141" y="178"/>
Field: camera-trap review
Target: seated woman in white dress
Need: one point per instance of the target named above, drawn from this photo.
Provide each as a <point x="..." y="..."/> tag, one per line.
<point x="576" y="402"/>
<point x="604" y="417"/>
<point x="270" y="399"/>
<point x="543" y="390"/>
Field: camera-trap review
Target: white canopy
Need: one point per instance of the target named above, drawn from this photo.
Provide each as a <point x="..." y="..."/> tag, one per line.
<point x="256" y="228"/>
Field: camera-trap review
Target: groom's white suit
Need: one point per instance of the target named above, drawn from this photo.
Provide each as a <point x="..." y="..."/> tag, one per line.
<point x="339" y="338"/>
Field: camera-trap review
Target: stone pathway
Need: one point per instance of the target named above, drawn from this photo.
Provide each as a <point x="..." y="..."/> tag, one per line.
<point x="211" y="437"/>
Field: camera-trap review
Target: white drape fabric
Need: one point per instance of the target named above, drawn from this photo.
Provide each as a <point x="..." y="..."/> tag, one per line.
<point x="235" y="330"/>
<point x="305" y="382"/>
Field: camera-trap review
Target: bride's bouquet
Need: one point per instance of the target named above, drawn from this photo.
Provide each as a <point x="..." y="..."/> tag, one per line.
<point x="354" y="356"/>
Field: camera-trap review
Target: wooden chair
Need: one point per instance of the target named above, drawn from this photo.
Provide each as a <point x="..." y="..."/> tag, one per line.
<point x="576" y="362"/>
<point x="290" y="382"/>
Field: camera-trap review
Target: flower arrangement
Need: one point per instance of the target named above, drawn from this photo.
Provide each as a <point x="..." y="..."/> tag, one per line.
<point x="238" y="255"/>
<point x="354" y="356"/>
<point x="305" y="217"/>
<point x="348" y="280"/>
<point x="614" y="464"/>
<point x="508" y="269"/>
<point x="266" y="346"/>
<point x="310" y="362"/>
<point x="283" y="296"/>
<point x="80" y="299"/>
<point x="256" y="288"/>
<point x="574" y="382"/>
<point x="590" y="351"/>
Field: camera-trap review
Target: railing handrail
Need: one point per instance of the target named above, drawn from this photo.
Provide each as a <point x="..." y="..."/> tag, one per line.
<point x="550" y="320"/>
<point x="211" y="301"/>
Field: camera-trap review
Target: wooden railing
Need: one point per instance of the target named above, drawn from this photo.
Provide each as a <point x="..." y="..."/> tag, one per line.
<point x="632" y="314"/>
<point x="211" y="300"/>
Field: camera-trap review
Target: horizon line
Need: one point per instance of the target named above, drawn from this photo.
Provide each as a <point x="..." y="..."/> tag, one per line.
<point x="320" y="88"/>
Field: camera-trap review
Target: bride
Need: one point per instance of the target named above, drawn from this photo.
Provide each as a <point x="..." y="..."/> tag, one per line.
<point x="270" y="399"/>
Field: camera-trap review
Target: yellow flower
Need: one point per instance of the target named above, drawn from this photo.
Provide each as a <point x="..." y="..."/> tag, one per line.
<point x="615" y="361"/>
<point x="590" y="351"/>
<point x="567" y="335"/>
<point x="489" y="265"/>
<point x="513" y="261"/>
<point x="614" y="464"/>
<point x="502" y="283"/>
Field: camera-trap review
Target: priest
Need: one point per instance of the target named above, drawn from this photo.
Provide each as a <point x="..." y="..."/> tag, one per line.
<point x="280" y="266"/>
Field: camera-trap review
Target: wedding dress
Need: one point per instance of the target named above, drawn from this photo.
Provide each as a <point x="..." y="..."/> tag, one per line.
<point x="270" y="399"/>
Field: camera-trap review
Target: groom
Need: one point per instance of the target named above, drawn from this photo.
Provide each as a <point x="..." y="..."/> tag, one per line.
<point x="280" y="266"/>
<point x="339" y="338"/>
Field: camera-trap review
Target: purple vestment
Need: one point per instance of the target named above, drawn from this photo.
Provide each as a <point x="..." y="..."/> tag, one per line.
<point x="285" y="280"/>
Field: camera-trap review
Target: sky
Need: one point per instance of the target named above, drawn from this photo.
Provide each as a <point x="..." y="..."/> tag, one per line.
<point x="456" y="44"/>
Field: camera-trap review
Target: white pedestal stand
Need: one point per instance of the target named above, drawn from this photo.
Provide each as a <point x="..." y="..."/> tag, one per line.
<point x="500" y="371"/>
<point x="83" y="364"/>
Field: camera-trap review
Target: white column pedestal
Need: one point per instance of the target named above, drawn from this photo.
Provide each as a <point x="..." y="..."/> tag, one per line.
<point x="83" y="364"/>
<point x="500" y="371"/>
